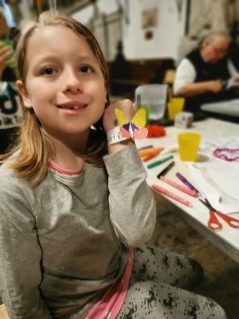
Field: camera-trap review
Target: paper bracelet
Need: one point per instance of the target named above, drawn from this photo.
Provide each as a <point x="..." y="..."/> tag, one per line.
<point x="115" y="136"/>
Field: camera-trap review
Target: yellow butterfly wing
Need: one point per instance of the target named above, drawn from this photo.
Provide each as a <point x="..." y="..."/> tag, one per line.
<point x="121" y="117"/>
<point x="140" y="118"/>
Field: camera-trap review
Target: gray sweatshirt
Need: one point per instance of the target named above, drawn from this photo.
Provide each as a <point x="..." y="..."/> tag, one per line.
<point x="65" y="241"/>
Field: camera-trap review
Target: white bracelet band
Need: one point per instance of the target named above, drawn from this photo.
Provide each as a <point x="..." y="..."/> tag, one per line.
<point x="115" y="136"/>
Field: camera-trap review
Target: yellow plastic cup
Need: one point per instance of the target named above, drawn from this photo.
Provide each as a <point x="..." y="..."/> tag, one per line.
<point x="175" y="106"/>
<point x="188" y="143"/>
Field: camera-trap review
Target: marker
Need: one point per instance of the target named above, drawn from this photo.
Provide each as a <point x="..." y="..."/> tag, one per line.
<point x="186" y="182"/>
<point x="179" y="187"/>
<point x="154" y="150"/>
<point x="145" y="147"/>
<point x="166" y="169"/>
<point x="149" y="157"/>
<point x="156" y="163"/>
<point x="165" y="192"/>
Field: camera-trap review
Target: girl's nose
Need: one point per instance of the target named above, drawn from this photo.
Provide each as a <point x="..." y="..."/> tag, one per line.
<point x="71" y="82"/>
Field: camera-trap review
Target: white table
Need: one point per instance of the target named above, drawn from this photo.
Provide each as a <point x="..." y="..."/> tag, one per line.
<point x="228" y="108"/>
<point x="197" y="216"/>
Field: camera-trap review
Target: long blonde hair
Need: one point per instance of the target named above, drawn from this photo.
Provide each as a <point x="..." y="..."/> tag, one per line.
<point x="33" y="148"/>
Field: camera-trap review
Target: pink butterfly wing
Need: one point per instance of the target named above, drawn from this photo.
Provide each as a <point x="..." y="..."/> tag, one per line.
<point x="124" y="132"/>
<point x="141" y="133"/>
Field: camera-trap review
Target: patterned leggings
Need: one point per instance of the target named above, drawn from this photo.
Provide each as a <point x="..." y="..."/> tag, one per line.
<point x="156" y="289"/>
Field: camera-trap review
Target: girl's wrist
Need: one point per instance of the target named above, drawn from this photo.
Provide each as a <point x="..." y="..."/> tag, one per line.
<point x="115" y="136"/>
<point x="117" y="141"/>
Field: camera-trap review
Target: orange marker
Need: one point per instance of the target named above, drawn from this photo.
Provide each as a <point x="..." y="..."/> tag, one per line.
<point x="149" y="157"/>
<point x="154" y="150"/>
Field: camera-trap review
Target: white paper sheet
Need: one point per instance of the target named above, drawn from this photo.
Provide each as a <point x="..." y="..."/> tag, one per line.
<point x="219" y="183"/>
<point x="208" y="146"/>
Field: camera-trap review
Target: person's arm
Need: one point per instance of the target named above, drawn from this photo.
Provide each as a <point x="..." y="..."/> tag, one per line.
<point x="20" y="256"/>
<point x="132" y="205"/>
<point x="6" y="56"/>
<point x="185" y="86"/>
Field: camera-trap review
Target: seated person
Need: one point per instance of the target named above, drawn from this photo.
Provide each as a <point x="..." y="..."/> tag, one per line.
<point x="10" y="115"/>
<point x="120" y="70"/>
<point x="207" y="74"/>
<point x="120" y="67"/>
<point x="6" y="51"/>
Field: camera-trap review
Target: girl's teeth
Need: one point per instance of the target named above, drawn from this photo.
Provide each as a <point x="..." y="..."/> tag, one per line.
<point x="75" y="107"/>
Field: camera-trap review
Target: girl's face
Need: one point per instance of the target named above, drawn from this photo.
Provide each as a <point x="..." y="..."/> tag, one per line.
<point x="64" y="83"/>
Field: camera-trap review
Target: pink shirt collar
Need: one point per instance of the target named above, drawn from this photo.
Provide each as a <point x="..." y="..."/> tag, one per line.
<point x="65" y="171"/>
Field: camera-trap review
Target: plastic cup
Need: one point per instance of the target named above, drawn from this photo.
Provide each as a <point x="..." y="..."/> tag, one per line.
<point x="154" y="96"/>
<point x="175" y="106"/>
<point x="188" y="143"/>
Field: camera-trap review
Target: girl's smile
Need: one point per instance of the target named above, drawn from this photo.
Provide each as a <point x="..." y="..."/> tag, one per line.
<point x="73" y="107"/>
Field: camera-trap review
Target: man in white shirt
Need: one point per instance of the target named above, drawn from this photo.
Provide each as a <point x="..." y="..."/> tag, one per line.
<point x="206" y="74"/>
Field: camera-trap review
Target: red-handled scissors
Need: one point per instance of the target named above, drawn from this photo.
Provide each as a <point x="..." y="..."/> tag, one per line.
<point x="213" y="222"/>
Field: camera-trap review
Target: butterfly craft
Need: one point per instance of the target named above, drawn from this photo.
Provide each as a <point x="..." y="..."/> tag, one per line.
<point x="135" y="128"/>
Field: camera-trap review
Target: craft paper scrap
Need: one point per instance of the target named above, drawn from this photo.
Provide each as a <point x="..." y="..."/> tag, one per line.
<point x="209" y="146"/>
<point x="218" y="182"/>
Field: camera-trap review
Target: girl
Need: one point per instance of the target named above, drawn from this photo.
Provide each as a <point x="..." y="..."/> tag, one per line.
<point x="71" y="206"/>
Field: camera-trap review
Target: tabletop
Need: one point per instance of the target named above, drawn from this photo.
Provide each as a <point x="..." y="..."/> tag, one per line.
<point x="213" y="131"/>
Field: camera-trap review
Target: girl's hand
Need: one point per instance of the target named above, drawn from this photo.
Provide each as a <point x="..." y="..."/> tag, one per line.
<point x="109" y="118"/>
<point x="110" y="121"/>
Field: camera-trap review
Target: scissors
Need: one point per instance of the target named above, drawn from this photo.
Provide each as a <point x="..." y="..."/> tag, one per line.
<point x="213" y="222"/>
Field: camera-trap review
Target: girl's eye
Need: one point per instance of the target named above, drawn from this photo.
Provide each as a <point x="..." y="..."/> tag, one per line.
<point x="85" y="69"/>
<point x="48" y="70"/>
